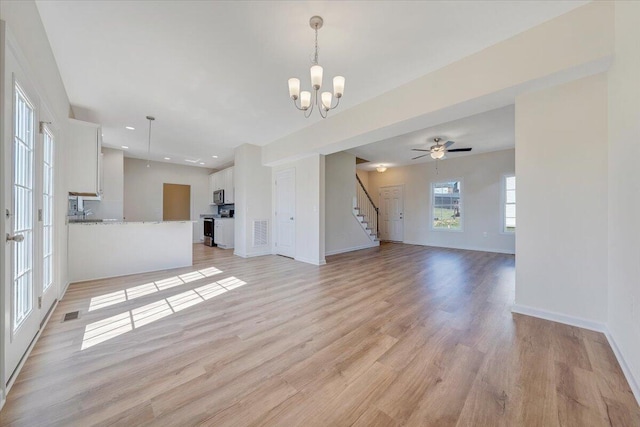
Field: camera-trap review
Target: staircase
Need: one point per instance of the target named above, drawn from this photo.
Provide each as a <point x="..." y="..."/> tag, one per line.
<point x="366" y="212"/>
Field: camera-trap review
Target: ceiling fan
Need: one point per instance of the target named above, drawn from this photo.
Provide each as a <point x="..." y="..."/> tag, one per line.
<point x="439" y="150"/>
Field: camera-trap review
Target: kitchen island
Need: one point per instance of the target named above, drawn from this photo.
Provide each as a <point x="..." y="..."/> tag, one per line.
<point x="104" y="249"/>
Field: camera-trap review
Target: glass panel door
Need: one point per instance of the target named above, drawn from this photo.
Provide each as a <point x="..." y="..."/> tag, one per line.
<point x="23" y="171"/>
<point x="47" y="210"/>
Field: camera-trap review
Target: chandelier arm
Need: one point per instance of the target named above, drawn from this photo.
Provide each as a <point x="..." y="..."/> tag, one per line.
<point x="296" y="104"/>
<point x="309" y="110"/>
<point x="307" y="113"/>
<point x="337" y="103"/>
<point x="321" y="108"/>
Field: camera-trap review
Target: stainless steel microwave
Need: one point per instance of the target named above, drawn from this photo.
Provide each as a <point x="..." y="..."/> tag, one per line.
<point x="218" y="197"/>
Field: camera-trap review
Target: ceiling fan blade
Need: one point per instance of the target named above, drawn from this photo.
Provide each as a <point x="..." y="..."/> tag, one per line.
<point x="449" y="144"/>
<point x="419" y="156"/>
<point x="458" y="149"/>
<point x="417" y="149"/>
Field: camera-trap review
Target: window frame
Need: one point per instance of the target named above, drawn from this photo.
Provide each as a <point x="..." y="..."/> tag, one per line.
<point x="503" y="203"/>
<point x="432" y="185"/>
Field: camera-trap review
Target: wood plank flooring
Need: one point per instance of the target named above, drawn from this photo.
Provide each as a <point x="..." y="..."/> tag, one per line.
<point x="388" y="336"/>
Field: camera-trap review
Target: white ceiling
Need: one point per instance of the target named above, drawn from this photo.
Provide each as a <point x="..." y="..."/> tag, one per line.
<point x="490" y="131"/>
<point x="214" y="74"/>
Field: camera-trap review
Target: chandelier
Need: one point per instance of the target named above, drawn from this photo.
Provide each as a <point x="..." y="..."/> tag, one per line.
<point x="307" y="100"/>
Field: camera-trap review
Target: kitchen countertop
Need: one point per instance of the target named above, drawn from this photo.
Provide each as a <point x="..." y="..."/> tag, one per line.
<point x="118" y="222"/>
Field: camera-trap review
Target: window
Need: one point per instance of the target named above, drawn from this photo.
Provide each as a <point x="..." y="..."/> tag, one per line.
<point x="509" y="223"/>
<point x="446" y="202"/>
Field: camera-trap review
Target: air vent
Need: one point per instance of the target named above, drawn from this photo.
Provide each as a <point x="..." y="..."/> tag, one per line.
<point x="260" y="232"/>
<point x="72" y="315"/>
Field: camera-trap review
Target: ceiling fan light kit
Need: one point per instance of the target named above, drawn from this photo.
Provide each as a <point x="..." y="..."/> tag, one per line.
<point x="309" y="100"/>
<point x="438" y="151"/>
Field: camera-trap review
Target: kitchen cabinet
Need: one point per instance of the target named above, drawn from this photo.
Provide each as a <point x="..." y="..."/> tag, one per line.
<point x="229" y="189"/>
<point x="223" y="233"/>
<point x="84" y="161"/>
<point x="222" y="180"/>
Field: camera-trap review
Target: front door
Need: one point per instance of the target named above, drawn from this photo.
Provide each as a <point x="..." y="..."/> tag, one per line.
<point x="285" y="213"/>
<point x="22" y="242"/>
<point x="391" y="213"/>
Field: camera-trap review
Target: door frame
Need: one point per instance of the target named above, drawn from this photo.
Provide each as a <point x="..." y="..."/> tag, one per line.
<point x="380" y="207"/>
<point x="291" y="171"/>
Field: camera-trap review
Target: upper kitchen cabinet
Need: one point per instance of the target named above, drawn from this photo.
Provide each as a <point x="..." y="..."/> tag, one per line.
<point x="84" y="162"/>
<point x="222" y="180"/>
<point x="229" y="188"/>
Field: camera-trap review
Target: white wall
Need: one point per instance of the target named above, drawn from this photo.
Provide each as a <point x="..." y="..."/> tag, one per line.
<point x="481" y="176"/>
<point x="143" y="189"/>
<point x="310" y="207"/>
<point x="111" y="204"/>
<point x="624" y="189"/>
<point x="364" y="177"/>
<point x="343" y="231"/>
<point x="561" y="162"/>
<point x="252" y="183"/>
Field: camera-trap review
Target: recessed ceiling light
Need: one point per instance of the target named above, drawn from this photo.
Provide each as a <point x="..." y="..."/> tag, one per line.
<point x="129" y="128"/>
<point x="215" y="157"/>
<point x="201" y="163"/>
<point x="190" y="161"/>
<point x="125" y="147"/>
<point x="167" y="158"/>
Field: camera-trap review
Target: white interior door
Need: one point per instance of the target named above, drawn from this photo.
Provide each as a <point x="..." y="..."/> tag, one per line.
<point x="286" y="213"/>
<point x="22" y="235"/>
<point x="392" y="213"/>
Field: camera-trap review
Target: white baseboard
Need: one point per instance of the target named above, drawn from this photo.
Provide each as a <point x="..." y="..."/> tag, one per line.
<point x="560" y="318"/>
<point x="253" y="254"/>
<point x="311" y="261"/>
<point x="579" y="322"/>
<point x="464" y="248"/>
<point x="28" y="352"/>
<point x="634" y="383"/>
<point x="354" y="248"/>
<point x="3" y="400"/>
<point x="64" y="290"/>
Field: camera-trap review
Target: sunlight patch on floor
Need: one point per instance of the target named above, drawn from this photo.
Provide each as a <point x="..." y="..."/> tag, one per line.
<point x="134" y="292"/>
<point x="111" y="327"/>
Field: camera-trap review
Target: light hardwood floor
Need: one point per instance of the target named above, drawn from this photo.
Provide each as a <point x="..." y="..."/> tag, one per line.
<point x="396" y="335"/>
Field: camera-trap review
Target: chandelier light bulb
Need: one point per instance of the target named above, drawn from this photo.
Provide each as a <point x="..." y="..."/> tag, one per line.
<point x="316" y="76"/>
<point x="338" y="86"/>
<point x="294" y="88"/>
<point x="326" y="100"/>
<point x="305" y="99"/>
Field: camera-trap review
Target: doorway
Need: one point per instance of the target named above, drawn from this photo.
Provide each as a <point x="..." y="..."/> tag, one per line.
<point x="176" y="202"/>
<point x="285" y="190"/>
<point x="392" y="213"/>
<point x="28" y="208"/>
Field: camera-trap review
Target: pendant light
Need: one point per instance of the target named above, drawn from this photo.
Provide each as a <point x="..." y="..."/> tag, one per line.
<point x="151" y="119"/>
<point x="308" y="101"/>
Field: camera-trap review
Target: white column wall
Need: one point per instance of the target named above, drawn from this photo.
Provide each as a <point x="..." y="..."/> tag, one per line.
<point x="624" y="191"/>
<point x="252" y="183"/>
<point x="561" y="167"/>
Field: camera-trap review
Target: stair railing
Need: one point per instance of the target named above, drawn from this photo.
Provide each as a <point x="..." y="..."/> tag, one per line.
<point x="367" y="207"/>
